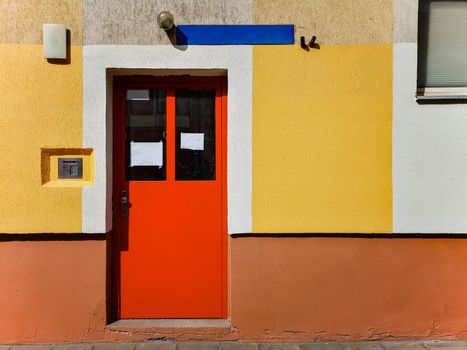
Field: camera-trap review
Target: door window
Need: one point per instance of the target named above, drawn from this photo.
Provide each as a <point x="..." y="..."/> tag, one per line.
<point x="195" y="156"/>
<point x="145" y="131"/>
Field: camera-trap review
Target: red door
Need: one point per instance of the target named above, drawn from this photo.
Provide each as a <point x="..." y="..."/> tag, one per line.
<point x="169" y="197"/>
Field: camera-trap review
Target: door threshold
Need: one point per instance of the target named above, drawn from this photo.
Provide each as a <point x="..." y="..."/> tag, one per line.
<point x="173" y="329"/>
<point x="145" y="323"/>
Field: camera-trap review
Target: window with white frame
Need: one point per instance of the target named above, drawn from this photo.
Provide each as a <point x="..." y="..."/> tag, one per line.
<point x="442" y="48"/>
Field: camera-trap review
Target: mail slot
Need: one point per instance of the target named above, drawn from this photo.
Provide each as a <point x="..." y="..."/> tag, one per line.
<point x="70" y="168"/>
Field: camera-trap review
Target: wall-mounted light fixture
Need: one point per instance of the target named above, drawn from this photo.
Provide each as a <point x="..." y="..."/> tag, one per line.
<point x="54" y="41"/>
<point x="165" y="20"/>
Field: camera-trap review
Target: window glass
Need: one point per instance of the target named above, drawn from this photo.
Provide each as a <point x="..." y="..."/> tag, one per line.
<point x="442" y="43"/>
<point x="195" y="135"/>
<point x="145" y="135"/>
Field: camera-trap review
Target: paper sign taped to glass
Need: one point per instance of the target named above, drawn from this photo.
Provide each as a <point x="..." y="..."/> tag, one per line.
<point x="193" y="141"/>
<point x="146" y="154"/>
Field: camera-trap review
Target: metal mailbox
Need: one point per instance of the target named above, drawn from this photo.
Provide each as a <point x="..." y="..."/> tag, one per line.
<point x="70" y="168"/>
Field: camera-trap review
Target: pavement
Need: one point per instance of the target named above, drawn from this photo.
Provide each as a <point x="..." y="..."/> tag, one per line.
<point x="200" y="345"/>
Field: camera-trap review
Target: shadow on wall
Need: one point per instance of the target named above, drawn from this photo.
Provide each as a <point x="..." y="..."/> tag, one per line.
<point x="172" y="34"/>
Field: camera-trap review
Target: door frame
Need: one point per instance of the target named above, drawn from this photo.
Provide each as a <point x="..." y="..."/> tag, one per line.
<point x="120" y="84"/>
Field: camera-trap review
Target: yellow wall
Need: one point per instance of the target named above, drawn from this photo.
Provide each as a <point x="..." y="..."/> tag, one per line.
<point x="41" y="107"/>
<point x="321" y="119"/>
<point x="322" y="139"/>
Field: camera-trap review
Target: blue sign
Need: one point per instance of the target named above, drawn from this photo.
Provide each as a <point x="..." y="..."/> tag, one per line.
<point x="218" y="34"/>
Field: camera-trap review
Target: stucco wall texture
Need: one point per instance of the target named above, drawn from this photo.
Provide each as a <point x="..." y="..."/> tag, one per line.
<point x="339" y="288"/>
<point x="332" y="21"/>
<point x="322" y="122"/>
<point x="52" y="290"/>
<point x="41" y="108"/>
<point x="325" y="131"/>
<point x="134" y="22"/>
<point x="322" y="139"/>
<point x="350" y="108"/>
<point x="429" y="146"/>
<point x="22" y="20"/>
<point x="331" y="77"/>
<point x="405" y="21"/>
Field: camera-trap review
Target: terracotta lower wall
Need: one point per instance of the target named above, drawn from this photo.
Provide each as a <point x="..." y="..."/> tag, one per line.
<point x="52" y="291"/>
<point x="349" y="288"/>
<point x="281" y="289"/>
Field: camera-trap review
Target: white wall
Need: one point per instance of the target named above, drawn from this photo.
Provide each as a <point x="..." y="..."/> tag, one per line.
<point x="97" y="120"/>
<point x="429" y="155"/>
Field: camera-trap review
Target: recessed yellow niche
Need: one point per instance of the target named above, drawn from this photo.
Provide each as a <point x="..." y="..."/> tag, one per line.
<point x="49" y="166"/>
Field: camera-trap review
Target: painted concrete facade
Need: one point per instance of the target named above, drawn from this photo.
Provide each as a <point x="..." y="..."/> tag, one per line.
<point x="383" y="192"/>
<point x="236" y="60"/>
<point x="41" y="108"/>
<point x="281" y="289"/>
<point x="429" y="146"/>
<point x="50" y="292"/>
<point x="133" y="22"/>
<point x="329" y="140"/>
<point x="334" y="22"/>
<point x="22" y="20"/>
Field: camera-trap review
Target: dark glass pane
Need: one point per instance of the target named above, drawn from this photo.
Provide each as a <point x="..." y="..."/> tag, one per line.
<point x="145" y="135"/>
<point x="195" y="135"/>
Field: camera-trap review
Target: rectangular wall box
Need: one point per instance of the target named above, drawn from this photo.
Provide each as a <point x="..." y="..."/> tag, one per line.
<point x="54" y="41"/>
<point x="70" y="168"/>
<point x="251" y="34"/>
<point x="67" y="167"/>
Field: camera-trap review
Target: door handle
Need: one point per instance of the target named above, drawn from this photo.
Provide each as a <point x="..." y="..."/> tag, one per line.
<point x="124" y="204"/>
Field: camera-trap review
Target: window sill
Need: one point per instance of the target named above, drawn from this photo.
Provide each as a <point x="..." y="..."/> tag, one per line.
<point x="441" y="97"/>
<point x="458" y="93"/>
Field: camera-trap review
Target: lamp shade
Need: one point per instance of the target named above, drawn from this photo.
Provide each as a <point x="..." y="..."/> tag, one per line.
<point x="165" y="20"/>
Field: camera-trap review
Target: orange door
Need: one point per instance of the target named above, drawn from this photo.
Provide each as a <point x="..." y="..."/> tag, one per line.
<point x="169" y="197"/>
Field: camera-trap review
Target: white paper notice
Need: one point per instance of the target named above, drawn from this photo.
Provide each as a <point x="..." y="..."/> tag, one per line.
<point x="146" y="154"/>
<point x="192" y="141"/>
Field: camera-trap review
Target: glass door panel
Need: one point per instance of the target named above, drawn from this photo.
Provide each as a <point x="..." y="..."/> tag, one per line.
<point x="195" y="130"/>
<point x="145" y="131"/>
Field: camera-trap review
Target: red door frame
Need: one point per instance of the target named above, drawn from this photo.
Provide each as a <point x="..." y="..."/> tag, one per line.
<point x="120" y="84"/>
